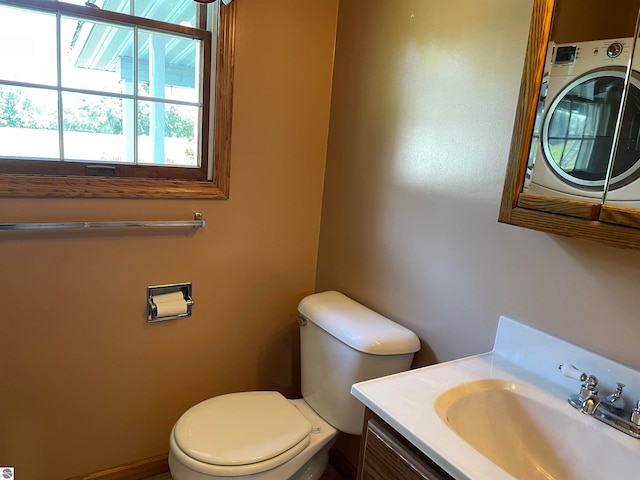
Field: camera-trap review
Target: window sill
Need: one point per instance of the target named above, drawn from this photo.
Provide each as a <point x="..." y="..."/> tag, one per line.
<point x="104" y="187"/>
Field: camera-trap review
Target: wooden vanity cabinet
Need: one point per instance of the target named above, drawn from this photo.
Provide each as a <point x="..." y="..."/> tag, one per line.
<point x="387" y="455"/>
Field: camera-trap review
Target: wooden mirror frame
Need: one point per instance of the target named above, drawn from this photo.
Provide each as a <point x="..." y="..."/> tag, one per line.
<point x="615" y="226"/>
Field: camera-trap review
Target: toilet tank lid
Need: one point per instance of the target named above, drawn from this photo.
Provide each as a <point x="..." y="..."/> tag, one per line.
<point x="356" y="325"/>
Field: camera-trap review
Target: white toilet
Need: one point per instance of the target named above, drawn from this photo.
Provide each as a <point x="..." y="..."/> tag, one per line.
<point x="263" y="435"/>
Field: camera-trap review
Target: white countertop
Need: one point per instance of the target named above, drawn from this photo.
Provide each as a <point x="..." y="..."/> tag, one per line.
<point x="523" y="355"/>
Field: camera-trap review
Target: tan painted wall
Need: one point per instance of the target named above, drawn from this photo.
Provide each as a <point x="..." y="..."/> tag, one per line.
<point x="423" y="104"/>
<point x="85" y="383"/>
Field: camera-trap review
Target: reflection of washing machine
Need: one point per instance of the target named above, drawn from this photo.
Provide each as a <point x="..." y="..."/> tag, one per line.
<point x="584" y="91"/>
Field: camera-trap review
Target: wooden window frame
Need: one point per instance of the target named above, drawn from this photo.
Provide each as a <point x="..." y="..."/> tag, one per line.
<point x="216" y="187"/>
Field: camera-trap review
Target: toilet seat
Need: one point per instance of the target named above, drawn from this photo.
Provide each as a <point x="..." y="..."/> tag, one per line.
<point x="240" y="433"/>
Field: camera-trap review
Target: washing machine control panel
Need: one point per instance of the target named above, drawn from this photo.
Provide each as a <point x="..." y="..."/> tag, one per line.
<point x="581" y="57"/>
<point x="614" y="50"/>
<point x="566" y="54"/>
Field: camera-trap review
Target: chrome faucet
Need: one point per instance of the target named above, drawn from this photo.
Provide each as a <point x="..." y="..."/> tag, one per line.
<point x="587" y="400"/>
<point x="611" y="410"/>
<point x="615" y="402"/>
<point x="589" y="405"/>
<point x="635" y="415"/>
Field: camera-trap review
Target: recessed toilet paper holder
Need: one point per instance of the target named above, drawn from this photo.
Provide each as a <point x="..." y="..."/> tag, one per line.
<point x="156" y="291"/>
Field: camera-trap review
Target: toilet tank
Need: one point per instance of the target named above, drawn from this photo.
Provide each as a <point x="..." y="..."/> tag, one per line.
<point x="341" y="343"/>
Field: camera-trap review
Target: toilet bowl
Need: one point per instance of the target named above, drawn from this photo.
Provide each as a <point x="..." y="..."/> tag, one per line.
<point x="264" y="436"/>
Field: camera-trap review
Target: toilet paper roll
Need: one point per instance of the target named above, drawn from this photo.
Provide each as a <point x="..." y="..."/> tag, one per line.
<point x="168" y="297"/>
<point x="171" y="308"/>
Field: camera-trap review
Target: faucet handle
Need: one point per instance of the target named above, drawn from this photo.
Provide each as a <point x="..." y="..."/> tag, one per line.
<point x="635" y="414"/>
<point x="615" y="402"/>
<point x="570" y="371"/>
<point x="589" y="382"/>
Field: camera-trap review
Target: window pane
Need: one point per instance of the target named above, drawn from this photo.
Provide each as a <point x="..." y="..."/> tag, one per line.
<point x="96" y="129"/>
<point x="179" y="12"/>
<point x="168" y="67"/>
<point x="26" y="56"/>
<point x="168" y="134"/>
<point x="83" y="90"/>
<point x="97" y="56"/>
<point x="121" y="6"/>
<point x="29" y="123"/>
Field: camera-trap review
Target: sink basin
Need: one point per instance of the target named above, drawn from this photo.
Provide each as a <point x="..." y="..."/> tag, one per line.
<point x="528" y="438"/>
<point x="504" y="415"/>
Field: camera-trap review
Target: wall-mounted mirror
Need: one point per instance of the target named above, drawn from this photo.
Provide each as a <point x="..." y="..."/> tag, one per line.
<point x="624" y="186"/>
<point x="574" y="166"/>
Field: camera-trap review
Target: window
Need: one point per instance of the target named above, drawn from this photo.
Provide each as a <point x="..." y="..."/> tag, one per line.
<point x="115" y="98"/>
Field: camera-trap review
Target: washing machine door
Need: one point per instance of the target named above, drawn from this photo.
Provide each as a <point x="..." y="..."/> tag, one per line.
<point x="579" y="126"/>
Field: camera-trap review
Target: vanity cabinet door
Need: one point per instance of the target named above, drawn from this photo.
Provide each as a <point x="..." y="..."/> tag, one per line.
<point x="386" y="457"/>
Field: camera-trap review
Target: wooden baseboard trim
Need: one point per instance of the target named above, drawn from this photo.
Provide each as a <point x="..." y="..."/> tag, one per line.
<point x="131" y="471"/>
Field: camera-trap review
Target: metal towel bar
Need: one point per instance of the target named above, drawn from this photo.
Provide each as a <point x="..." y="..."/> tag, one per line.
<point x="197" y="222"/>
